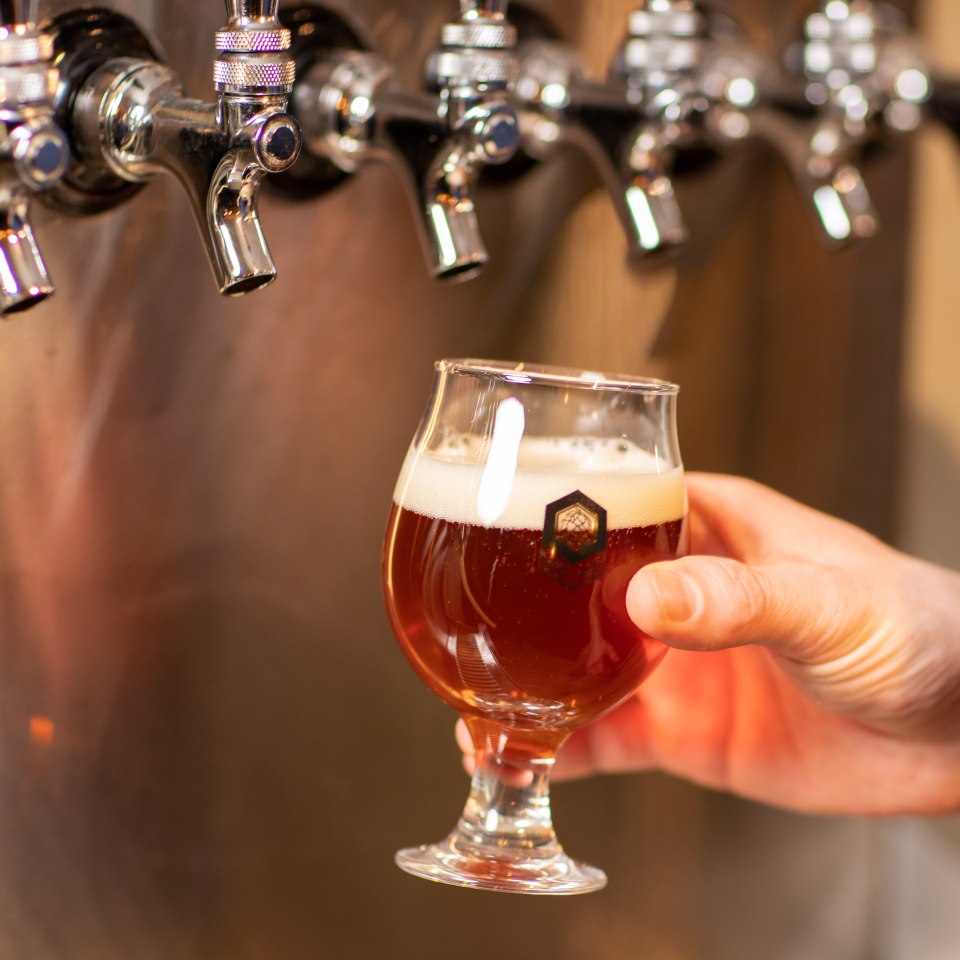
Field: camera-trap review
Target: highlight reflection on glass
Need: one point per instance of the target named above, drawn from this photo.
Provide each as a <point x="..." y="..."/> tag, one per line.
<point x="529" y="498"/>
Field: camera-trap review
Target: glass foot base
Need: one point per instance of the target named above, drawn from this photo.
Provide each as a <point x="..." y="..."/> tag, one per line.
<point x="465" y="864"/>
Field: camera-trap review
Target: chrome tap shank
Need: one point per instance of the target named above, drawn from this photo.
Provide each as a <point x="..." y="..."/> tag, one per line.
<point x="669" y="80"/>
<point x="352" y="109"/>
<point x="131" y="119"/>
<point x="136" y="115"/>
<point x="34" y="153"/>
<point x="865" y="76"/>
<point x="559" y="104"/>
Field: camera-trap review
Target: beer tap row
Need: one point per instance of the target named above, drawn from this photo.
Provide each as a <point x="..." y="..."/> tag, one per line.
<point x="91" y="112"/>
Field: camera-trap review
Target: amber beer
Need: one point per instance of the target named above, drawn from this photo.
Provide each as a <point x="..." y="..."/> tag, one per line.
<point x="523" y="622"/>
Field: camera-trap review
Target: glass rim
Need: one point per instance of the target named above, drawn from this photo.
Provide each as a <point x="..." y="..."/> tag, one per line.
<point x="529" y="373"/>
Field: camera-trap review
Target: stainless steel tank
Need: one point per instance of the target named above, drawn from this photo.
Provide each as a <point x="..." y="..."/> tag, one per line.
<point x="210" y="745"/>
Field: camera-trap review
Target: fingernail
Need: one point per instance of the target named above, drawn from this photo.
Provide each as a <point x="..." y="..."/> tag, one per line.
<point x="674" y="593"/>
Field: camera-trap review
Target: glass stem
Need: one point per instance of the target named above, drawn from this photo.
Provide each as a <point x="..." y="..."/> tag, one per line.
<point x="504" y="814"/>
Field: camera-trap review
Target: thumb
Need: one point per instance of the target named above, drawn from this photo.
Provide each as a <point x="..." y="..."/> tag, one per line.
<point x="710" y="603"/>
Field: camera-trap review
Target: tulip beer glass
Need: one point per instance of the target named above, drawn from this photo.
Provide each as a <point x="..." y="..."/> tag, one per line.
<point x="528" y="500"/>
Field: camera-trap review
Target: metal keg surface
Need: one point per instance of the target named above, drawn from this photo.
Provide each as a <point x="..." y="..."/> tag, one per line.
<point x="210" y="746"/>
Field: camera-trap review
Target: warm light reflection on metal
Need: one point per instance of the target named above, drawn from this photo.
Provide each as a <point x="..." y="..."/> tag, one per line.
<point x="554" y="95"/>
<point x="7" y="277"/>
<point x="41" y="730"/>
<point x="837" y="10"/>
<point x="643" y="218"/>
<point x="448" y="251"/>
<point x="913" y="85"/>
<point x="834" y="217"/>
<point x="741" y="92"/>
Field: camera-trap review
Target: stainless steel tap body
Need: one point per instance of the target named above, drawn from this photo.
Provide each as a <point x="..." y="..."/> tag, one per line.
<point x="33" y="156"/>
<point x="559" y="104"/>
<point x="352" y="108"/>
<point x="864" y="76"/>
<point x="34" y="153"/>
<point x="674" y="83"/>
<point x="133" y="116"/>
<point x="130" y="118"/>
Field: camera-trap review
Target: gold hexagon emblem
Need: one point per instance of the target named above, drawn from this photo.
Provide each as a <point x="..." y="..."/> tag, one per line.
<point x="572" y="549"/>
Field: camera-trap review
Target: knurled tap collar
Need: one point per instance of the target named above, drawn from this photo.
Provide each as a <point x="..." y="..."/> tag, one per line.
<point x="27" y="77"/>
<point x="478" y="52"/>
<point x="16" y="49"/>
<point x="254" y="59"/>
<point x="490" y="36"/>
<point x="253" y="41"/>
<point x="666" y="37"/>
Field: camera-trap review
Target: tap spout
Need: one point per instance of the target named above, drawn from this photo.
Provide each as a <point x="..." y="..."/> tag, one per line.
<point x="24" y="281"/>
<point x="827" y="179"/>
<point x="441" y="184"/>
<point x="455" y="247"/>
<point x="487" y="134"/>
<point x="239" y="252"/>
<point x="443" y="191"/>
<point x="634" y="168"/>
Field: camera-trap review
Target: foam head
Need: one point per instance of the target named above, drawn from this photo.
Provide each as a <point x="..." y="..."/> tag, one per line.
<point x="630" y="484"/>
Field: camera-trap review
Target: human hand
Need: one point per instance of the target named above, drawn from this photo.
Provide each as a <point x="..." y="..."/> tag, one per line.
<point x="816" y="668"/>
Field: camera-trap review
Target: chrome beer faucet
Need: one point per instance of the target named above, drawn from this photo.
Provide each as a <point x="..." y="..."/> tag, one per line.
<point x="34" y="153"/>
<point x="680" y="79"/>
<point x="130" y="118"/>
<point x="864" y="76"/>
<point x="352" y="109"/>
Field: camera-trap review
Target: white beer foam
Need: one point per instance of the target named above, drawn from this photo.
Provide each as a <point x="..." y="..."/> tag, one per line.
<point x="616" y="474"/>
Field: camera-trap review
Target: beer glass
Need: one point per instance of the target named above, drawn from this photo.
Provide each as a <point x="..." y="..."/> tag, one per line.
<point x="528" y="500"/>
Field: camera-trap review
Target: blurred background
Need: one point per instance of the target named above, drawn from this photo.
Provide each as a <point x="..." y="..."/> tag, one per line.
<point x="210" y="745"/>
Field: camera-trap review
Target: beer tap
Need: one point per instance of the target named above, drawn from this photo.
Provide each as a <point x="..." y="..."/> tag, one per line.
<point x="34" y="153"/>
<point x="129" y="118"/>
<point x="864" y="75"/>
<point x="681" y="79"/>
<point x="353" y="109"/>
